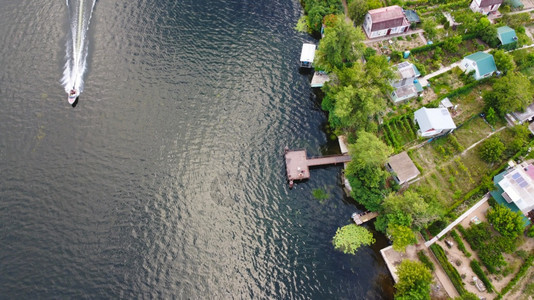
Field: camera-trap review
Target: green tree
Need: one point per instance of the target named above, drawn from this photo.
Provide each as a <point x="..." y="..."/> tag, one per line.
<point x="315" y="17"/>
<point x="491" y="150"/>
<point x="451" y="44"/>
<point x="487" y="32"/>
<point x="505" y="221"/>
<point x="351" y="237"/>
<point x="414" y="281"/>
<point x="394" y="218"/>
<point x="491" y="117"/>
<point x="401" y="236"/>
<point x="422" y="208"/>
<point x="429" y="26"/>
<point x="512" y="92"/>
<point x="374" y="4"/>
<point x="341" y="45"/>
<point x="365" y="170"/>
<point x="357" y="10"/>
<point x="503" y="61"/>
<point x="368" y="151"/>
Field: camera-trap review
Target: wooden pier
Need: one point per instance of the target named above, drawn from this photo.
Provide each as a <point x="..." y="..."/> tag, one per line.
<point x="298" y="163"/>
<point x="359" y="219"/>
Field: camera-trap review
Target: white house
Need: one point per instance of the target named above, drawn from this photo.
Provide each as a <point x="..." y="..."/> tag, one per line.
<point x="307" y="55"/>
<point x="482" y="63"/>
<point x="516" y="185"/>
<point x="385" y="21"/>
<point x="433" y="121"/>
<point x="485" y="6"/>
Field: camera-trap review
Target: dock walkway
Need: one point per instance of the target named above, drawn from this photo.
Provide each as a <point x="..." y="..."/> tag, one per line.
<point x="298" y="164"/>
<point x="359" y="219"/>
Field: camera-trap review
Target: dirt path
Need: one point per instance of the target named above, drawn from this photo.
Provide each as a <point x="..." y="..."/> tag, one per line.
<point x="346" y="11"/>
<point x="474" y="145"/>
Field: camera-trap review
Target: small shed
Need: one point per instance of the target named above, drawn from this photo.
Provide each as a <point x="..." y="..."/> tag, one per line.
<point x="446" y="103"/>
<point x="482" y="63"/>
<point x="525" y="116"/>
<point x="402" y="167"/>
<point x="307" y="55"/>
<point x="506" y="35"/>
<point x="412" y="16"/>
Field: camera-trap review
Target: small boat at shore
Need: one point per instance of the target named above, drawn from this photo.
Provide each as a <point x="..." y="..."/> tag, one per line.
<point x="73" y="95"/>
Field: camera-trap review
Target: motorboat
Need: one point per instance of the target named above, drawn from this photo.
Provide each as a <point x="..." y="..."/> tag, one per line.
<point x="73" y="95"/>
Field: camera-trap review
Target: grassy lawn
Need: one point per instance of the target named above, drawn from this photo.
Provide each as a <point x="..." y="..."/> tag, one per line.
<point x="433" y="61"/>
<point x="454" y="175"/>
<point x="445" y="83"/>
<point x="472" y="131"/>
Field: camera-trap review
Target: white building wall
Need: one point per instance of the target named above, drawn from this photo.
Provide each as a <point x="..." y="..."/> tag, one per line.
<point x="367" y="25"/>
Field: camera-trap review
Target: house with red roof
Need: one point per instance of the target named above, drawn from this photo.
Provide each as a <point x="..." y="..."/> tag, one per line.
<point x="385" y="21"/>
<point x="485" y="6"/>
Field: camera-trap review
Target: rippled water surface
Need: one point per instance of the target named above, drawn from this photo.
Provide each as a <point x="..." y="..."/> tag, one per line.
<point x="167" y="180"/>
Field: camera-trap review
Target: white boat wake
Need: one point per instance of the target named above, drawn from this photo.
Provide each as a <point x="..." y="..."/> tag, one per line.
<point x="80" y="12"/>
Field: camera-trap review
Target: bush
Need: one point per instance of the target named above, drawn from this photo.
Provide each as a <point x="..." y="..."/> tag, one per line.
<point x="460" y="243"/>
<point x="478" y="270"/>
<point x="451" y="271"/>
<point x="530" y="232"/>
<point x="491" y="150"/>
<point x="505" y="221"/>
<point x="425" y="260"/>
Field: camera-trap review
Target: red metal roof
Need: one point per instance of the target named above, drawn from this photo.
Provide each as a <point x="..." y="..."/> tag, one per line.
<point x="485" y="3"/>
<point x="387" y="17"/>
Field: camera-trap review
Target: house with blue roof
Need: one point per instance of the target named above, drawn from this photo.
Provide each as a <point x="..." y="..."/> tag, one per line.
<point x="515" y="188"/>
<point x="407" y="86"/>
<point x="482" y="63"/>
<point x="506" y="35"/>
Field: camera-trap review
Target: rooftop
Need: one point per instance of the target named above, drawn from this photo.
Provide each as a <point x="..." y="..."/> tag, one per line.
<point x="387" y="17"/>
<point x="434" y="118"/>
<point x="506" y="35"/>
<point x="407" y="70"/>
<point x="403" y="167"/>
<point x="528" y="113"/>
<point x="412" y="16"/>
<point x="485" y="62"/>
<point x="518" y="186"/>
<point x="485" y="3"/>
<point x="308" y="52"/>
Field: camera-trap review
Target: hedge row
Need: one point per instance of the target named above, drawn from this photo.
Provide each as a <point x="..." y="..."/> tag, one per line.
<point x="478" y="270"/>
<point x="425" y="260"/>
<point x="460" y="243"/>
<point x="433" y="46"/>
<point x="522" y="271"/>
<point x="451" y="271"/>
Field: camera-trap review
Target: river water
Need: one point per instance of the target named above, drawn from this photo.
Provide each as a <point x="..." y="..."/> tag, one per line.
<point x="167" y="180"/>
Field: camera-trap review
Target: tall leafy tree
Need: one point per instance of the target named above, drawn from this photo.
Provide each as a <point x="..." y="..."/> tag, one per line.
<point x="357" y="94"/>
<point x="503" y="61"/>
<point x="368" y="151"/>
<point x="491" y="150"/>
<point x="422" y="208"/>
<point x="414" y="281"/>
<point x="357" y="10"/>
<point x="351" y="237"/>
<point x="365" y="170"/>
<point x="401" y="236"/>
<point x="512" y="92"/>
<point x="341" y="45"/>
<point x="505" y="221"/>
